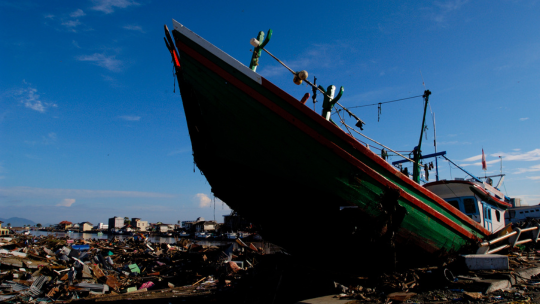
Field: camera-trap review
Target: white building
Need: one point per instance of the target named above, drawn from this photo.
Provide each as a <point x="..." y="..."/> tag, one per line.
<point x="141" y="225"/>
<point x="116" y="222"/>
<point x="166" y="227"/>
<point x="101" y="226"/>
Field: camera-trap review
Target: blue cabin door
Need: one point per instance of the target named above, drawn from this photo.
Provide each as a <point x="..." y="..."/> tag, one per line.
<point x="487" y="217"/>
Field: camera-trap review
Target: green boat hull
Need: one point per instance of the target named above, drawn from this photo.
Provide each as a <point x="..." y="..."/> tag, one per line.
<point x="302" y="180"/>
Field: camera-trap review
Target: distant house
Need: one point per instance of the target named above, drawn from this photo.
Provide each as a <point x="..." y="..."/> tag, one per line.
<point x="187" y="225"/>
<point x="65" y="225"/>
<point x="166" y="227"/>
<point x="203" y="226"/>
<point x="3" y="231"/>
<point x="85" y="226"/>
<point x="140" y="225"/>
<point x="116" y="222"/>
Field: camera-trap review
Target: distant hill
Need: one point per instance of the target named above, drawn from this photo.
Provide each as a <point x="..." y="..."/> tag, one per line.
<point x="17" y="222"/>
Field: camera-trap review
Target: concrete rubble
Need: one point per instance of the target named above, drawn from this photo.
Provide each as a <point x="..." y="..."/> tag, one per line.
<point x="50" y="269"/>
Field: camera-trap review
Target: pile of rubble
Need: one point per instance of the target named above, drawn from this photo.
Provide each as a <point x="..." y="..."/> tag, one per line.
<point x="512" y="277"/>
<point x="50" y="269"/>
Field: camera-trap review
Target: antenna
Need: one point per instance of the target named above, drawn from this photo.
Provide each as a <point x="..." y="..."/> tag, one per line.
<point x="423" y="83"/>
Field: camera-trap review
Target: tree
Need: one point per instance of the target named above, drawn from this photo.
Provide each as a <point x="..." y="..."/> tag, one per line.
<point x="126" y="221"/>
<point x="9" y="224"/>
<point x="38" y="225"/>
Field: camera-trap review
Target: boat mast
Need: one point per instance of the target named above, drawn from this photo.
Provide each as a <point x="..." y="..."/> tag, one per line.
<point x="417" y="150"/>
<point x="435" y="144"/>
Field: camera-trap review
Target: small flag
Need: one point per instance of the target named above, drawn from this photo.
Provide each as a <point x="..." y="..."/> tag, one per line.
<point x="484" y="164"/>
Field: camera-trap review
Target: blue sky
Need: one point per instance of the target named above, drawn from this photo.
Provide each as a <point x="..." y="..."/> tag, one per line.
<point x="90" y="127"/>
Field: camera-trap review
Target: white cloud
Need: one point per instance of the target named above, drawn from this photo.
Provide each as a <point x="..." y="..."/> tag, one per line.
<point x="108" y="62"/>
<point x="315" y="56"/>
<point x="71" y="23"/>
<point x="130" y="117"/>
<point x="134" y="28"/>
<point x="75" y="43"/>
<point x="534" y="177"/>
<point x="443" y="9"/>
<point x="67" y="202"/>
<point x="108" y="6"/>
<point x="532" y="155"/>
<point x="480" y="163"/>
<point x="49" y="139"/>
<point x="77" y="13"/>
<point x="49" y="16"/>
<point x="530" y="169"/>
<point x="45" y="140"/>
<point x="474" y="158"/>
<point x="203" y="200"/>
<point x="77" y="193"/>
<point x="524" y="118"/>
<point x="31" y="99"/>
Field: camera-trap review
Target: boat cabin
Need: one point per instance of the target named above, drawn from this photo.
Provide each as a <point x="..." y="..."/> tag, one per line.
<point x="479" y="200"/>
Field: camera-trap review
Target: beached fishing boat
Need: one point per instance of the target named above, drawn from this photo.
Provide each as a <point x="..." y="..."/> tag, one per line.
<point x="287" y="168"/>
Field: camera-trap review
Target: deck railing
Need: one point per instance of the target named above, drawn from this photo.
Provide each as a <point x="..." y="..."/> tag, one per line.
<point x="511" y="239"/>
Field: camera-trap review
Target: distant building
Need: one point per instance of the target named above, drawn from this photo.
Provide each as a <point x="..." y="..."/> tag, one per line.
<point x="85" y="226"/>
<point x="166" y="227"/>
<point x="140" y="225"/>
<point x="101" y="226"/>
<point x="187" y="225"/>
<point x="65" y="225"/>
<point x="522" y="213"/>
<point x="3" y="231"/>
<point x="516" y="202"/>
<point x="116" y="222"/>
<point x="205" y="226"/>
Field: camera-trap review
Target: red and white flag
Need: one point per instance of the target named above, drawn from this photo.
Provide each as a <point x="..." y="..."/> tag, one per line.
<point x="484" y="164"/>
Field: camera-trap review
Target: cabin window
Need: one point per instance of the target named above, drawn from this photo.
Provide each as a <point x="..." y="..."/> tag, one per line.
<point x="512" y="213"/>
<point x="498" y="215"/>
<point x="526" y="211"/>
<point x="470" y="205"/>
<point x="521" y="212"/>
<point x="454" y="204"/>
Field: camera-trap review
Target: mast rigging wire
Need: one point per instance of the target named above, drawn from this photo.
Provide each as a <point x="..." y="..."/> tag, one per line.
<point x="379" y="143"/>
<point x="379" y="103"/>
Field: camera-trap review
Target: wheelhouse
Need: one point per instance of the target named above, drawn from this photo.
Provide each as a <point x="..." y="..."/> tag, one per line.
<point x="480" y="201"/>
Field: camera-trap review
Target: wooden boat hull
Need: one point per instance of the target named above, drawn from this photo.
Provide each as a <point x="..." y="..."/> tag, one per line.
<point x="285" y="168"/>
